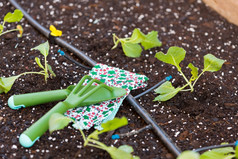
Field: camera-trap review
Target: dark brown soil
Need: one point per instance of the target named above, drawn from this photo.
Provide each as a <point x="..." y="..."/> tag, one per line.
<point x="205" y="117"/>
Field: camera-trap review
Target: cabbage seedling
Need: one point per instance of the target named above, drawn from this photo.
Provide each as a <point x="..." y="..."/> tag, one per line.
<point x="7" y="82"/>
<point x="58" y="121"/>
<point x="174" y="56"/>
<point x="16" y="16"/>
<point x="47" y="69"/>
<point x="131" y="47"/>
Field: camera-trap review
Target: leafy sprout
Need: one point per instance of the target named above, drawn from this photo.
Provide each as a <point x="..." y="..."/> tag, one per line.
<point x="6" y="83"/>
<point x="16" y="16"/>
<point x="58" y="121"/>
<point x="131" y="46"/>
<point x="175" y="56"/>
<point x="47" y="69"/>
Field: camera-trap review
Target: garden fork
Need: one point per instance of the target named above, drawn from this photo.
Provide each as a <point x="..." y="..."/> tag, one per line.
<point x="77" y="96"/>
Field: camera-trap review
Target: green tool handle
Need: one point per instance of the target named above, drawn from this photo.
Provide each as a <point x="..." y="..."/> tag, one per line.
<point x="28" y="137"/>
<point x="32" y="99"/>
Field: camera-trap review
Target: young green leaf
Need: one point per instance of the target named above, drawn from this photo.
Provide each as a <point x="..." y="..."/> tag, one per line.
<point x="236" y="152"/>
<point x="224" y="150"/>
<point x="1" y="28"/>
<point x="216" y="155"/>
<point x="6" y="83"/>
<point x="119" y="153"/>
<point x="16" y="16"/>
<point x="151" y="40"/>
<point x="51" y="71"/>
<point x="194" y="71"/>
<point x="188" y="155"/>
<point x="43" y="48"/>
<point x="113" y="124"/>
<point x="39" y="63"/>
<point x="212" y="64"/>
<point x="174" y="56"/>
<point x="131" y="50"/>
<point x="166" y="91"/>
<point x="58" y="121"/>
<point x="137" y="36"/>
<point x="126" y="148"/>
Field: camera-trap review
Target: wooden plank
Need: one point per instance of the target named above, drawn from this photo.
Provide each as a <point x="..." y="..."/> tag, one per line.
<point x="226" y="8"/>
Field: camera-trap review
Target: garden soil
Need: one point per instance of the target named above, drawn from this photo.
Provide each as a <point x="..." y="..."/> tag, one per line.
<point x="204" y="117"/>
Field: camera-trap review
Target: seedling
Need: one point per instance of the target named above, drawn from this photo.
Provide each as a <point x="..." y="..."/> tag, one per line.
<point x="47" y="69"/>
<point x="131" y="47"/>
<point x="174" y="56"/>
<point x="16" y="16"/>
<point x="7" y="82"/>
<point x="217" y="153"/>
<point x="58" y="121"/>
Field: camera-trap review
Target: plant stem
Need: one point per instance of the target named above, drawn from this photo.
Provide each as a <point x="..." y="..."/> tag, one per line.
<point x="83" y="135"/>
<point x="8" y="31"/>
<point x="184" y="90"/>
<point x="98" y="143"/>
<point x="25" y="73"/>
<point x="189" y="83"/>
<point x="46" y="69"/>
<point x="99" y="147"/>
<point x="198" y="77"/>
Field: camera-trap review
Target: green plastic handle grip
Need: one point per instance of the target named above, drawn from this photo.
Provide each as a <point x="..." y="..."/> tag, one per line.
<point x="33" y="133"/>
<point x="37" y="98"/>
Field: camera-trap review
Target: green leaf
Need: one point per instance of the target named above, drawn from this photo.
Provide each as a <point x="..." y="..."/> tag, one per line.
<point x="216" y="155"/>
<point x="151" y="40"/>
<point x="43" y="48"/>
<point x="137" y="36"/>
<point x="16" y="16"/>
<point x="212" y="64"/>
<point x="39" y="63"/>
<point x="58" y="121"/>
<point x="166" y="91"/>
<point x="224" y="150"/>
<point x="189" y="155"/>
<point x="6" y="83"/>
<point x="126" y="148"/>
<point x="51" y="71"/>
<point x="194" y="71"/>
<point x="113" y="124"/>
<point x="174" y="56"/>
<point x="236" y="152"/>
<point x="119" y="153"/>
<point x="1" y="28"/>
<point x="131" y="50"/>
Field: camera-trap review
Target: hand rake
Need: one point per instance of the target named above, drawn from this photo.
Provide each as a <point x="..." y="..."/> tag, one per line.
<point x="79" y="94"/>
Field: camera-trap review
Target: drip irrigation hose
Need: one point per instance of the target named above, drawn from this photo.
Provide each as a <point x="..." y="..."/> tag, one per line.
<point x="139" y="109"/>
<point x="158" y="130"/>
<point x="72" y="60"/>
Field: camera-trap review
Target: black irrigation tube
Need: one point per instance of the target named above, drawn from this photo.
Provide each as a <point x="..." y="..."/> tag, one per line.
<point x="139" y="109"/>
